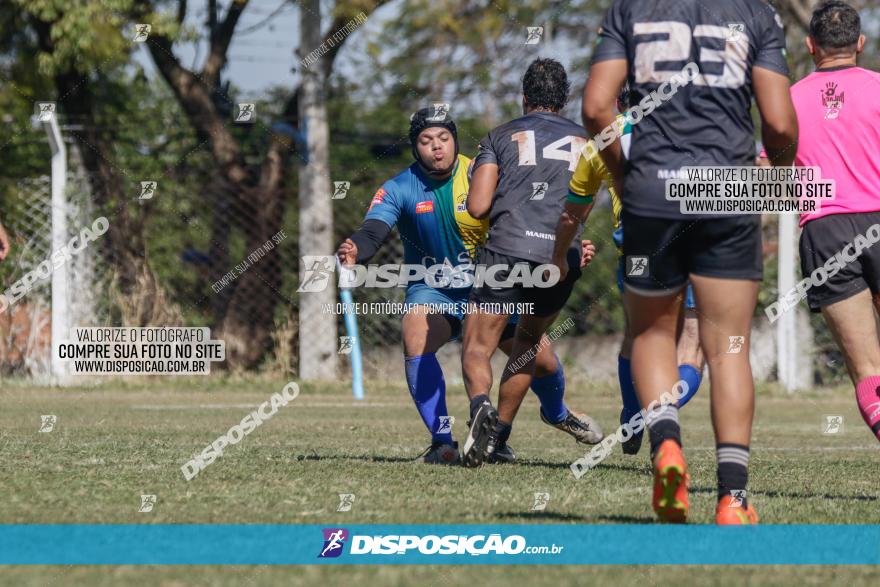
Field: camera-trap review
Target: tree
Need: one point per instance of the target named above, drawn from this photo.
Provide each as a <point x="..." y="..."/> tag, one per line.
<point x="257" y="190"/>
<point x="81" y="50"/>
<point x="317" y="335"/>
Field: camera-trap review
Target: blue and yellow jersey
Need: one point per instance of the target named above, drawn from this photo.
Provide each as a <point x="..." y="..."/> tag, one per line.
<point x="431" y="216"/>
<point x="591" y="172"/>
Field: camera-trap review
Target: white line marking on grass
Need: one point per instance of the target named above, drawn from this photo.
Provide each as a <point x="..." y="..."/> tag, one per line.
<point x="194" y="406"/>
<point x="246" y="406"/>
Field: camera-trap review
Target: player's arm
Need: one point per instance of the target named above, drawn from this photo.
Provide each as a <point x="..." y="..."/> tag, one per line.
<point x="4" y="243"/>
<point x="482" y="190"/>
<point x="383" y="214"/>
<point x="364" y="243"/>
<point x="483" y="179"/>
<point x="599" y="113"/>
<point x="779" y="125"/>
<point x="584" y="185"/>
<point x="570" y="223"/>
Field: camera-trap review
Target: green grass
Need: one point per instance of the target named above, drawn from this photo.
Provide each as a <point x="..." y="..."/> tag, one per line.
<point x="117" y="441"/>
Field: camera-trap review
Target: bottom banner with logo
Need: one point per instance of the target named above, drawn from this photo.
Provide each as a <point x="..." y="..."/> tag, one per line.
<point x="541" y="544"/>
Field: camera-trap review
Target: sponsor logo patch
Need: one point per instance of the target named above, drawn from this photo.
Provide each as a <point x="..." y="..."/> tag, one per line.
<point x="378" y="197"/>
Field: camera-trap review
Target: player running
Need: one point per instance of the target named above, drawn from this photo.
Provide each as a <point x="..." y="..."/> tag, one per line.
<point x="588" y="177"/>
<point x="427" y="204"/>
<point x="704" y="60"/>
<point x="839" y="115"/>
<point x="519" y="182"/>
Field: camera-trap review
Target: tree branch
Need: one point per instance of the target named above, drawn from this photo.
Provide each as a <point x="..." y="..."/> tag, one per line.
<point x="801" y="12"/>
<point x="220" y="43"/>
<point x="195" y="99"/>
<point x="342" y="18"/>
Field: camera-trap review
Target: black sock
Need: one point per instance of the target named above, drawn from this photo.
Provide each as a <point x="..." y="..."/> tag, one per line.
<point x="503" y="429"/>
<point x="733" y="470"/>
<point x="477" y="402"/>
<point x="662" y="424"/>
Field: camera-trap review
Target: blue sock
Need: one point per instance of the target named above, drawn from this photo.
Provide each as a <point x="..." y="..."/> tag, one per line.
<point x="690" y="375"/>
<point x="550" y="390"/>
<point x="428" y="389"/>
<point x="631" y="403"/>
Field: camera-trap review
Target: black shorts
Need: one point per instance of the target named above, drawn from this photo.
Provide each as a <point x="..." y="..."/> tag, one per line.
<point x="545" y="301"/>
<point x="455" y="325"/>
<point x="660" y="253"/>
<point x="825" y="245"/>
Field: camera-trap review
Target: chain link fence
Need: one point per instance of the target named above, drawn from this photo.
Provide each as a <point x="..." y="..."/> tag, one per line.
<point x="216" y="259"/>
<point x="25" y="322"/>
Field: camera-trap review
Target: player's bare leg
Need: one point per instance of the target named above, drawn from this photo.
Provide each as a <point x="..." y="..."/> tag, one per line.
<point x="482" y="333"/>
<point x="690" y="354"/>
<point x="854" y="326"/>
<point x="530" y="349"/>
<point x="423" y="335"/>
<point x="654" y="322"/>
<point x="726" y="310"/>
<point x="548" y="383"/>
<point x="726" y="307"/>
<point x="521" y="363"/>
<point x="424" y="332"/>
<point x="689" y="350"/>
<point x="545" y="362"/>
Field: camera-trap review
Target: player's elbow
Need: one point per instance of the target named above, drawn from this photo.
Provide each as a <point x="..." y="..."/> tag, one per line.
<point x="780" y="131"/>
<point x="593" y="111"/>
<point x="477" y="209"/>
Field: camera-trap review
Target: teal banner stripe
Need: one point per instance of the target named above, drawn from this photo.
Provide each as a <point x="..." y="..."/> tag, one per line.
<point x="209" y="544"/>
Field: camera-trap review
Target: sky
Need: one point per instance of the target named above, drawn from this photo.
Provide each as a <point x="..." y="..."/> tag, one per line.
<point x="262" y="52"/>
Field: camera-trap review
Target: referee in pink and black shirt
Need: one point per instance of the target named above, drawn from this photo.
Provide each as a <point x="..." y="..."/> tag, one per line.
<point x="838" y="113"/>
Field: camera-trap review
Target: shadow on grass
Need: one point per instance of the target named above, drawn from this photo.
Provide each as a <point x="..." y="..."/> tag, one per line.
<point x="643" y="470"/>
<point x="344" y="457"/>
<point x="797" y="495"/>
<point x="794" y="495"/>
<point x="542" y="516"/>
<point x="617" y="519"/>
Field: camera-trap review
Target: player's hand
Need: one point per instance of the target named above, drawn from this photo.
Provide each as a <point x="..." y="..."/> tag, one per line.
<point x="4" y="243"/>
<point x="588" y="251"/>
<point x="562" y="264"/>
<point x="347" y="253"/>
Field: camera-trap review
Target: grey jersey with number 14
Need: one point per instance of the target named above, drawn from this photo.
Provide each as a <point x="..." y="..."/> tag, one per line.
<point x="708" y="121"/>
<point x="536" y="157"/>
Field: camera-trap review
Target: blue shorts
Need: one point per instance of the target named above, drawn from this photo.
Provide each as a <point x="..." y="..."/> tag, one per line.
<point x="451" y="303"/>
<point x="689" y="302"/>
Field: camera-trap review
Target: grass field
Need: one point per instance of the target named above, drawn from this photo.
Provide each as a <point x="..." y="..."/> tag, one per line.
<point x="117" y="441"/>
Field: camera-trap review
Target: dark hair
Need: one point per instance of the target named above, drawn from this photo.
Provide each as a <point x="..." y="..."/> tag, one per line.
<point x="545" y="85"/>
<point x="835" y="25"/>
<point x="624" y="96"/>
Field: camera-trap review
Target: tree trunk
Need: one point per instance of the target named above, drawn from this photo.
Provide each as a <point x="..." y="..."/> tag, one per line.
<point x="250" y="316"/>
<point x="142" y="300"/>
<point x="317" y="330"/>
